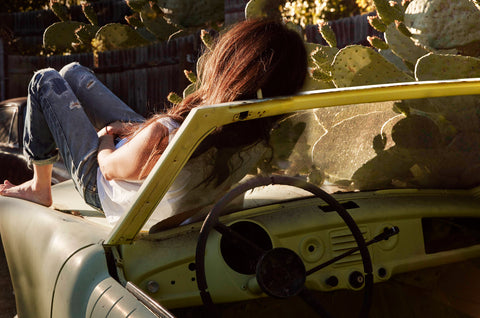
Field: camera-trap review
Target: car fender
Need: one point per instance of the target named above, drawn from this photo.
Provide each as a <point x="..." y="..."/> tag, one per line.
<point x="38" y="242"/>
<point x="85" y="289"/>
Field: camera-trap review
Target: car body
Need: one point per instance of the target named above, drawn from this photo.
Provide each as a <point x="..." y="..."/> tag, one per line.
<point x="13" y="163"/>
<point x="390" y="175"/>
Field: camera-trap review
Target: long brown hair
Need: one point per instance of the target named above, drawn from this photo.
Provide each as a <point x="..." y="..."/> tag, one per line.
<point x="252" y="55"/>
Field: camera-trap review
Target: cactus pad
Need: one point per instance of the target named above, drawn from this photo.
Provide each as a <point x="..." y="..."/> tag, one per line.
<point x="60" y="10"/>
<point x="358" y="65"/>
<point x="387" y="12"/>
<point x="321" y="56"/>
<point x="403" y="46"/>
<point x="90" y="13"/>
<point x="327" y="33"/>
<point x="60" y="35"/>
<point x="136" y="5"/>
<point x="256" y="9"/>
<point x="154" y="21"/>
<point x="189" y="89"/>
<point x="443" y="24"/>
<point x="116" y="36"/>
<point x="187" y="13"/>
<point x="446" y="66"/>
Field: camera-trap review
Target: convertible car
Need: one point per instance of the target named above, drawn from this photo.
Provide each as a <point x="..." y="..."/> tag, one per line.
<point x="368" y="205"/>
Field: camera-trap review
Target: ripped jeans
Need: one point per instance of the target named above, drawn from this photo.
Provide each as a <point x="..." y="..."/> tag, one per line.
<point x="64" y="111"/>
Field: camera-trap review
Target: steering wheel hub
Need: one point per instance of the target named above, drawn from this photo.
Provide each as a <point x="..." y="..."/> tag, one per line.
<point x="281" y="273"/>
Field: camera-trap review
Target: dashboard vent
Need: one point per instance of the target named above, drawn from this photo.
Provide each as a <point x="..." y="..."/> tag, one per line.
<point x="342" y="241"/>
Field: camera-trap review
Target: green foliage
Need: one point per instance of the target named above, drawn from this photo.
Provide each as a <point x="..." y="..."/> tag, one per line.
<point x="22" y="5"/>
<point x="315" y="11"/>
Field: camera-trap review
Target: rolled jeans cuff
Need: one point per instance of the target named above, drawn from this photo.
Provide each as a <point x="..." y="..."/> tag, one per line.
<point x="44" y="162"/>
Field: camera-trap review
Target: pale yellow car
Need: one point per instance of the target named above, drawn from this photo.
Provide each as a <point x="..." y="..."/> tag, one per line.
<point x="368" y="207"/>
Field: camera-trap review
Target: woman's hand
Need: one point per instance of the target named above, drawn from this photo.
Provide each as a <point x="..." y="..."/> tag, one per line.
<point x="116" y="128"/>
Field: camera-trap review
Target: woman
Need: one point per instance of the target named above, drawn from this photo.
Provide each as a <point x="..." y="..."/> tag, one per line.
<point x="65" y="109"/>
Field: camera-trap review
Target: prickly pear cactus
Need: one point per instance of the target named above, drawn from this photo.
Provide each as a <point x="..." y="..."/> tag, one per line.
<point x="114" y="36"/>
<point x="328" y="34"/>
<point x="148" y="24"/>
<point x="446" y="66"/>
<point x="89" y="13"/>
<point x="402" y="45"/>
<point x="357" y="65"/>
<point x="320" y="66"/>
<point x="187" y="13"/>
<point x="136" y="5"/>
<point x="263" y="8"/>
<point x="443" y="24"/>
<point x="153" y="20"/>
<point x="59" y="36"/>
<point x="387" y="12"/>
<point x="194" y="79"/>
<point x="60" y="10"/>
<point x="85" y="35"/>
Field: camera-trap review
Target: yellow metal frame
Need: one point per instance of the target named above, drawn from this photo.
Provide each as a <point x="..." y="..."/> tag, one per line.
<point x="203" y="120"/>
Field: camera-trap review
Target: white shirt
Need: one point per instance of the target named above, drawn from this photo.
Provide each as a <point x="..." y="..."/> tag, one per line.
<point x="189" y="190"/>
<point x="116" y="196"/>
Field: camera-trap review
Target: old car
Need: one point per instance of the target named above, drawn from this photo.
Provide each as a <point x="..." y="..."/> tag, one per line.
<point x="368" y="205"/>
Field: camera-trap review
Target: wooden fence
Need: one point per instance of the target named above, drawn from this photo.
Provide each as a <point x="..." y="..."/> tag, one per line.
<point x="142" y="77"/>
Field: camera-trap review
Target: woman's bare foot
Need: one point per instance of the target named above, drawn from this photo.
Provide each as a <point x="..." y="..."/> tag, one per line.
<point x="28" y="191"/>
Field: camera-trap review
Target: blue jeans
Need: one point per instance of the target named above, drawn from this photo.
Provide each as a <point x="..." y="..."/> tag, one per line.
<point x="64" y="111"/>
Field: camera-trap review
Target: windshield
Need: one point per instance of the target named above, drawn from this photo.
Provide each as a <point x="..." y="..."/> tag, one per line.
<point x="429" y="143"/>
<point x="421" y="143"/>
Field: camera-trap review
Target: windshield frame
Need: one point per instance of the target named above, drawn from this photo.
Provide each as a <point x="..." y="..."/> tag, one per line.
<point x="203" y="120"/>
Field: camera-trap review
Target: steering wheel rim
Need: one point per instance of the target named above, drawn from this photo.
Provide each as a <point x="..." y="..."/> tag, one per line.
<point x="212" y="219"/>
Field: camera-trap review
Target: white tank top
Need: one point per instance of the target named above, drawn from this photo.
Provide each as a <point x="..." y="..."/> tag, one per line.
<point x="189" y="190"/>
<point x="116" y="196"/>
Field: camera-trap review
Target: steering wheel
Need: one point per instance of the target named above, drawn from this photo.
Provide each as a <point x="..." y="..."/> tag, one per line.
<point x="280" y="272"/>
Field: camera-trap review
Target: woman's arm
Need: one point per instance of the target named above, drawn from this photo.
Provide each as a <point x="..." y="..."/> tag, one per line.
<point x="128" y="161"/>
